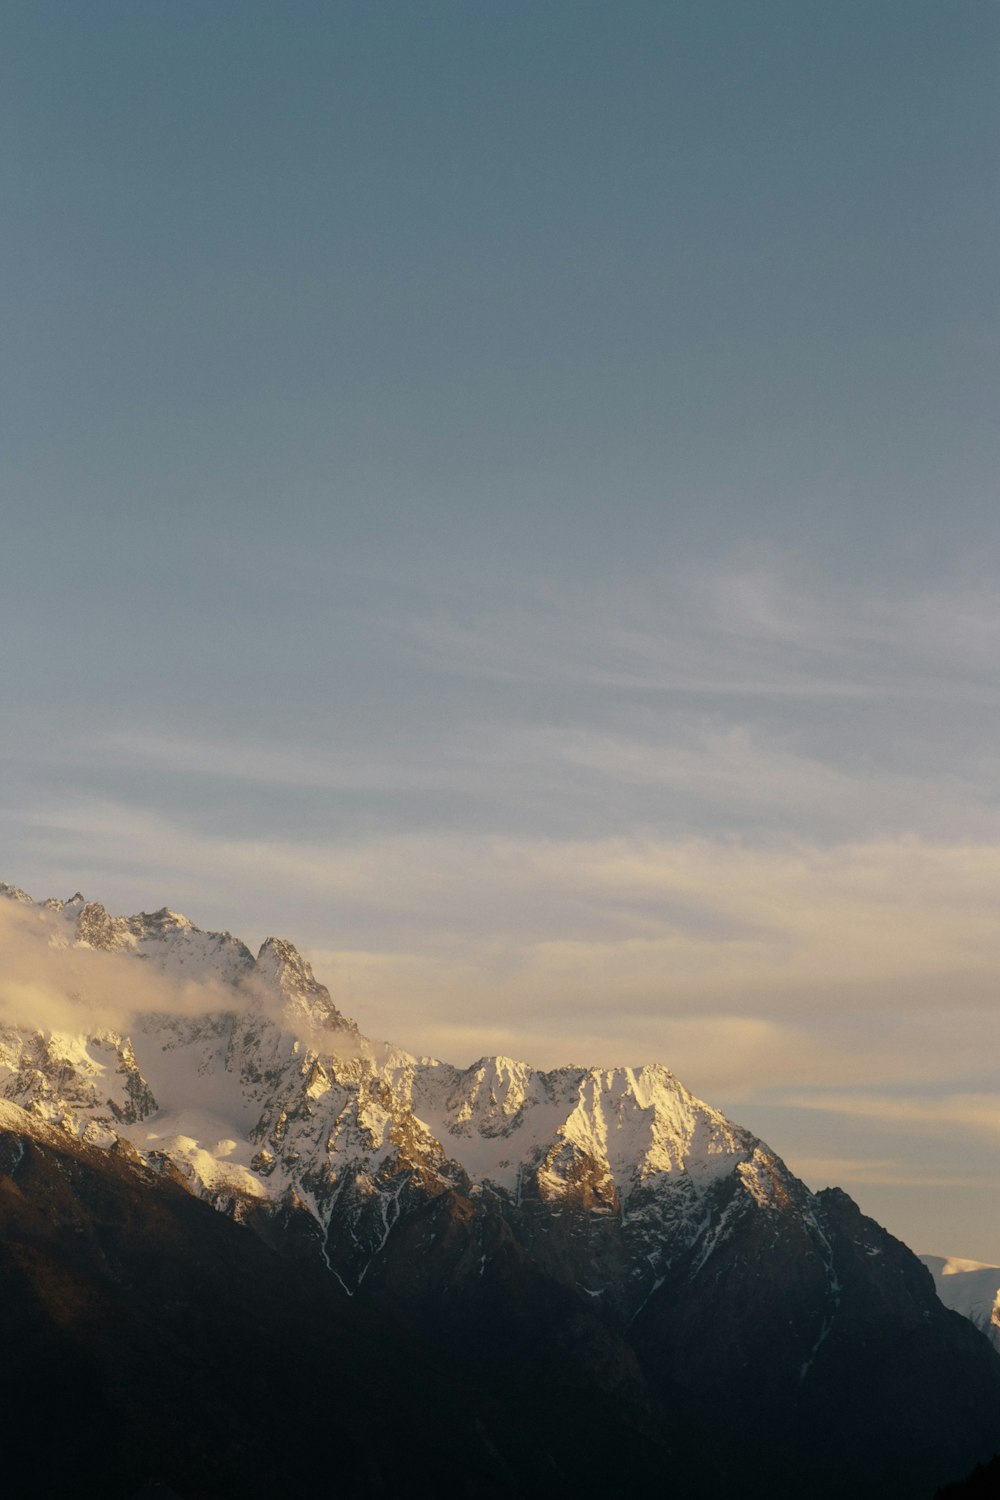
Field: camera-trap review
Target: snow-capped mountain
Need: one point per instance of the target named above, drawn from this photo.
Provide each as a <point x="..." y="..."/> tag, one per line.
<point x="970" y="1288"/>
<point x="592" y="1230"/>
<point x="280" y="1102"/>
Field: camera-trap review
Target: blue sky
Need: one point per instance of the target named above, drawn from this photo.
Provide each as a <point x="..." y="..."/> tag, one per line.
<point x="505" y="495"/>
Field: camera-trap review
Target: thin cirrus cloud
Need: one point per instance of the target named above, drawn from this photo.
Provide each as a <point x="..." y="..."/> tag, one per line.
<point x="876" y="1172"/>
<point x="735" y="770"/>
<point x="723" y="701"/>
<point x="978" y="1113"/>
<point x="726" y="771"/>
<point x="279" y="765"/>
<point x="744" y="633"/>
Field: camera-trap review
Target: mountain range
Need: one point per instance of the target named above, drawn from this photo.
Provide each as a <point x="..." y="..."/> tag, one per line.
<point x="255" y="1251"/>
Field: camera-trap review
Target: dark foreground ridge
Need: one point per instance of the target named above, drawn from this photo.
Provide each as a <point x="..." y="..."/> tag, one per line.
<point x="982" y="1484"/>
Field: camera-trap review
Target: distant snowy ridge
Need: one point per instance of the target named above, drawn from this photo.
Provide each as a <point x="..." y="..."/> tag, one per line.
<point x="970" y="1288"/>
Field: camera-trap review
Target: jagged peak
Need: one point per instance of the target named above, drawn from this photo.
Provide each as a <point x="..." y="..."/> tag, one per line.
<point x="280" y="963"/>
<point x="15" y="893"/>
<point x="281" y="958"/>
<point x="97" y="928"/>
<point x="164" y="917"/>
<point x="498" y="1063"/>
<point x="282" y="949"/>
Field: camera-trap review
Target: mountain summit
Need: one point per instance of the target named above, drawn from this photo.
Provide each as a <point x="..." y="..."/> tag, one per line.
<point x="573" y="1237"/>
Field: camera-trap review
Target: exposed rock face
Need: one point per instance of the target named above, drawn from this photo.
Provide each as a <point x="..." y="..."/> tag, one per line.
<point x="603" y="1229"/>
<point x="90" y="1085"/>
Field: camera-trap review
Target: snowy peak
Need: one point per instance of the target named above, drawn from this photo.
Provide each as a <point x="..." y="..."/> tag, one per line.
<point x="494" y="1096"/>
<point x="97" y="928"/>
<point x="283" y="972"/>
<point x="971" y="1288"/>
<point x="168" y="941"/>
<point x="633" y="1126"/>
<point x="14" y="893"/>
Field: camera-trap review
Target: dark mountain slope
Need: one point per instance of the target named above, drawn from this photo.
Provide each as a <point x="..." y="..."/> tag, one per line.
<point x="828" y="1356"/>
<point x="148" y="1338"/>
<point x="152" y="1342"/>
<point x="982" y="1484"/>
